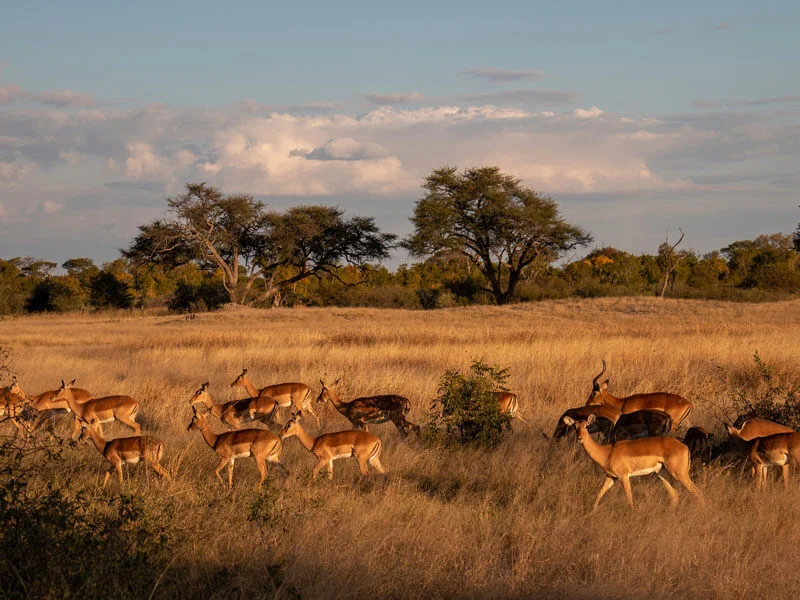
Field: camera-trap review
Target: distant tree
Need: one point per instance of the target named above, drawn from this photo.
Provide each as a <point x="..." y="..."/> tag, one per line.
<point x="107" y="291"/>
<point x="505" y="229"/>
<point x="238" y="238"/>
<point x="669" y="259"/>
<point x="82" y="269"/>
<point x="55" y="294"/>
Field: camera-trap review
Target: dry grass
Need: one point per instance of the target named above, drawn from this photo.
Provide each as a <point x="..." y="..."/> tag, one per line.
<point x="443" y="523"/>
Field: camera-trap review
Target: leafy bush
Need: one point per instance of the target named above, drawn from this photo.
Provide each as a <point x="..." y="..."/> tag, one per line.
<point x="469" y="410"/>
<point x="763" y="394"/>
<point x="55" y="544"/>
<point x="209" y="295"/>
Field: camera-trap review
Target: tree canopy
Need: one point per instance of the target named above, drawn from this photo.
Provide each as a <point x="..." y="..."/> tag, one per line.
<point x="237" y="236"/>
<point x="506" y="230"/>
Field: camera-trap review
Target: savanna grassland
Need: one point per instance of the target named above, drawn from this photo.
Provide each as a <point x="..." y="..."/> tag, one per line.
<point x="444" y="522"/>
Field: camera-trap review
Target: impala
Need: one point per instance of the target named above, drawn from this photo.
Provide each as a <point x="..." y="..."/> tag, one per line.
<point x="779" y="449"/>
<point x="633" y="458"/>
<point x="46" y="407"/>
<point x="751" y="429"/>
<point x="675" y="406"/>
<point x="697" y="439"/>
<point x="237" y="412"/>
<point x="12" y="405"/>
<point x="641" y="423"/>
<point x="285" y="394"/>
<point x="129" y="450"/>
<point x="101" y="410"/>
<point x="508" y="404"/>
<point x="263" y="445"/>
<point x="362" y="445"/>
<point x="370" y="409"/>
<point x="605" y="418"/>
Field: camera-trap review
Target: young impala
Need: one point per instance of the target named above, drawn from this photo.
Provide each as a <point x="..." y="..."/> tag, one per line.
<point x="263" y="445"/>
<point x="287" y="395"/>
<point x="362" y="445"/>
<point x="128" y="450"/>
<point x="238" y="412"/>
<point x="633" y="458"/>
<point x="101" y="410"/>
<point x="675" y="406"/>
<point x="370" y="409"/>
<point x="779" y="449"/>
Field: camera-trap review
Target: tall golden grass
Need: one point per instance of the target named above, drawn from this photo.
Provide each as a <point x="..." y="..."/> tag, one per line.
<point x="510" y="522"/>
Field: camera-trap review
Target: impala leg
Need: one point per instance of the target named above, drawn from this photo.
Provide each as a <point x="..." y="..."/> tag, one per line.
<point x="603" y="489"/>
<point x="108" y="474"/>
<point x="785" y="469"/>
<point x="318" y="467"/>
<point x="673" y="495"/>
<point x="276" y="460"/>
<point x="230" y="474"/>
<point x="626" y="485"/>
<point x="330" y="469"/>
<point x="130" y="422"/>
<point x="76" y="429"/>
<point x="220" y="466"/>
<point x="261" y="463"/>
<point x="156" y="466"/>
<point x="376" y="462"/>
<point x="118" y="466"/>
<point x="522" y="419"/>
<point x="362" y="466"/>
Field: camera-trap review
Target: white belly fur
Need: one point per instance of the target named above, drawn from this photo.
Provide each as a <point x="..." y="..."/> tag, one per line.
<point x="647" y="471"/>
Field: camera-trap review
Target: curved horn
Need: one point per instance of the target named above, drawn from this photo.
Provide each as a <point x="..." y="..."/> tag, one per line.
<point x="599" y="375"/>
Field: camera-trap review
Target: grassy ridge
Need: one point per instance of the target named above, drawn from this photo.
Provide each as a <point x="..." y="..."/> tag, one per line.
<point x="514" y="521"/>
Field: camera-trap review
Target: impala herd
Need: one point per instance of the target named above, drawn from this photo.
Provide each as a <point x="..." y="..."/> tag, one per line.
<point x="637" y="430"/>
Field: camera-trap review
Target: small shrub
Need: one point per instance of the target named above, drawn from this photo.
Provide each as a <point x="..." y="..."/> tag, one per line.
<point x="469" y="409"/>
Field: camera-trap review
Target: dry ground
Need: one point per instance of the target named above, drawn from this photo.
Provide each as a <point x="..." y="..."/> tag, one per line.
<point x="513" y="522"/>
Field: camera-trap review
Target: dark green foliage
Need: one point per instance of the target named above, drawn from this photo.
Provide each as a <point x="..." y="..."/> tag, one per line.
<point x="208" y="295"/>
<point x="761" y="393"/>
<point x="56" y="544"/>
<point x="107" y="291"/>
<point x="469" y="410"/>
<point x="55" y="294"/>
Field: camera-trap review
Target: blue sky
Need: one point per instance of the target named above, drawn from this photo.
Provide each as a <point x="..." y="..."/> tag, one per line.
<point x="637" y="117"/>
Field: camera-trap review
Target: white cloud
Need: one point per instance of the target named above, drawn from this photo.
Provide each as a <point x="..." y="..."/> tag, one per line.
<point x="49" y="207"/>
<point x="589" y="113"/>
<point x="345" y="148"/>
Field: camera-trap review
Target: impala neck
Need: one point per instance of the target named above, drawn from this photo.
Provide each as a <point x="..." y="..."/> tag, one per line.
<point x="605" y="397"/>
<point x="209" y="436"/>
<point x="98" y="442"/>
<point x="597" y="452"/>
<point x="73" y="406"/>
<point x="335" y="400"/>
<point x="305" y="439"/>
<point x="252" y="391"/>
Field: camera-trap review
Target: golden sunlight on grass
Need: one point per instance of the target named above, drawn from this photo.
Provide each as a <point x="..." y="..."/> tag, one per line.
<point x="514" y="521"/>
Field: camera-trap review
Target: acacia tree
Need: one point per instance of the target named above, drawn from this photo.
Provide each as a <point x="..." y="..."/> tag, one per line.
<point x="239" y="238"/>
<point x="506" y="230"/>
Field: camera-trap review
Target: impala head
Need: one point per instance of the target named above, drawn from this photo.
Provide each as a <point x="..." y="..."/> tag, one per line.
<point x="64" y="390"/>
<point x="198" y="419"/>
<point x="239" y="381"/>
<point x="580" y="426"/>
<point x="16" y="390"/>
<point x="325" y="392"/>
<point x="291" y="427"/>
<point x="597" y="387"/>
<point x="200" y="395"/>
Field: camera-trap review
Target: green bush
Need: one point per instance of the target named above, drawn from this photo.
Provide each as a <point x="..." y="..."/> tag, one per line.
<point x="209" y="295"/>
<point x="469" y="410"/>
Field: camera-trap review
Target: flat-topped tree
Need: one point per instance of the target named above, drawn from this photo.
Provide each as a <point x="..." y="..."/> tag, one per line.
<point x="237" y="237"/>
<point x="508" y="231"/>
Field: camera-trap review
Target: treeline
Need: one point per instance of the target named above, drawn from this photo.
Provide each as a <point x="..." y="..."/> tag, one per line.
<point x="480" y="237"/>
<point x="766" y="268"/>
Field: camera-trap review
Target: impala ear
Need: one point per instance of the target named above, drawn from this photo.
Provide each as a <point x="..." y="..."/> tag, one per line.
<point x="335" y="383"/>
<point x="204" y="386"/>
<point x="568" y="421"/>
<point x="604" y="386"/>
<point x="14" y="379"/>
<point x="72" y="383"/>
<point x="63" y="385"/>
<point x="592" y="418"/>
<point x="244" y="371"/>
